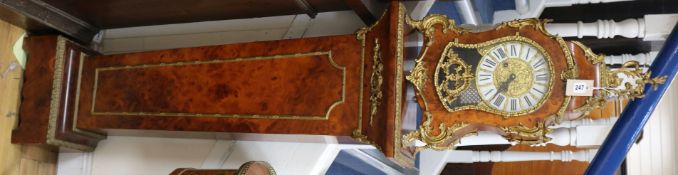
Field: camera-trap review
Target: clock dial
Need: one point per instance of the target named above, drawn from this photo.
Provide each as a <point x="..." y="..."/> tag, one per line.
<point x="508" y="76"/>
<point x="513" y="77"/>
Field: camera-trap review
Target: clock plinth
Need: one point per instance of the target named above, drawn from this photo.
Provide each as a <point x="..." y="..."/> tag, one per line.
<point x="347" y="86"/>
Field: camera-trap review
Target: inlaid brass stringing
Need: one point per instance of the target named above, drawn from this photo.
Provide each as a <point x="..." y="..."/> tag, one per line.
<point x="376" y="81"/>
<point x="217" y="61"/>
<point x="400" y="57"/>
<point x="360" y="36"/>
<point x="77" y="103"/>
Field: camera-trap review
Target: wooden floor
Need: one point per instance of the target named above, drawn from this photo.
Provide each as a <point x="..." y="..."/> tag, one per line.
<point x="17" y="159"/>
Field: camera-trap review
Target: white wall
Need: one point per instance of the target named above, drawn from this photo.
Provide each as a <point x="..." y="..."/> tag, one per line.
<point x="135" y="39"/>
<point x="656" y="153"/>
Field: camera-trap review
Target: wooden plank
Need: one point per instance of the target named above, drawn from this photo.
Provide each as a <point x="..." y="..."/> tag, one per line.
<point x="39" y="153"/>
<point x="10" y="154"/>
<point x="50" y="16"/>
<point x="16" y="159"/>
<point x="47" y="168"/>
<point x="29" y="167"/>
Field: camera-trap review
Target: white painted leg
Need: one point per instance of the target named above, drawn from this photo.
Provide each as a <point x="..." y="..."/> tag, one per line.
<point x="660" y="27"/>
<point x="642" y="58"/>
<point x="483" y="138"/>
<point x="533" y="8"/>
<point x="581" y="136"/>
<point x="459" y="156"/>
<point x="562" y="137"/>
<point x="585" y="122"/>
<point x="629" y="28"/>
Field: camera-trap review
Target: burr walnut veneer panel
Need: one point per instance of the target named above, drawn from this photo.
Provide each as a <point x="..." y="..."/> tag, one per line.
<point x="306" y="86"/>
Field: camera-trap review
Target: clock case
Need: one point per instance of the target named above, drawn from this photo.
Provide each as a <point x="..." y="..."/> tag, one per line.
<point x="442" y="128"/>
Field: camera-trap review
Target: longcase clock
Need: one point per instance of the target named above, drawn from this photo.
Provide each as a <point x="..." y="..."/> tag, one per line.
<point x="510" y="79"/>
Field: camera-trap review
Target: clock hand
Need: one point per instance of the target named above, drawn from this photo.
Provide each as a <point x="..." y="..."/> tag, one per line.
<point x="503" y="86"/>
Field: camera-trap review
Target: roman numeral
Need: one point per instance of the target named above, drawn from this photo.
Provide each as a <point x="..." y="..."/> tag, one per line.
<point x="514" y="104"/>
<point x="528" y="53"/>
<point x="499" y="100"/>
<point x="488" y="92"/>
<point x="527" y="100"/>
<point x="539" y="63"/>
<point x="484" y="70"/>
<point x="499" y="53"/>
<point x="538" y="91"/>
<point x="485" y="75"/>
<point x="513" y="50"/>
<point x="540" y="70"/>
<point x="489" y="63"/>
<point x="542" y="77"/>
